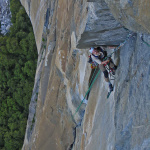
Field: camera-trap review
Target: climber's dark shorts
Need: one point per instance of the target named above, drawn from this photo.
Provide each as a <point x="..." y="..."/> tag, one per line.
<point x="103" y="69"/>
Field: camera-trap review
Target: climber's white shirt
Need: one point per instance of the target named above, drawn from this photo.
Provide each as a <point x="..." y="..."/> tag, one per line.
<point x="96" y="59"/>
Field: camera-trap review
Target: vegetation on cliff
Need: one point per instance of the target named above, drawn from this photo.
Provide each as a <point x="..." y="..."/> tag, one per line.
<point x="18" y="59"/>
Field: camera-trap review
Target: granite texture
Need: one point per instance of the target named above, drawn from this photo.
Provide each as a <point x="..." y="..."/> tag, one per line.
<point x="64" y="31"/>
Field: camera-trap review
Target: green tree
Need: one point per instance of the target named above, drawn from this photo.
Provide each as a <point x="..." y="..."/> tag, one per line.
<point x="18" y="56"/>
<point x="14" y="8"/>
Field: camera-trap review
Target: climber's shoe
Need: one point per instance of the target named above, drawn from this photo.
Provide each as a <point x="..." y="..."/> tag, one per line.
<point x="110" y="87"/>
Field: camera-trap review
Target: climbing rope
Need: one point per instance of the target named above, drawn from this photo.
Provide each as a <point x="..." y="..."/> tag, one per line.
<point x="93" y="75"/>
<point x="86" y="93"/>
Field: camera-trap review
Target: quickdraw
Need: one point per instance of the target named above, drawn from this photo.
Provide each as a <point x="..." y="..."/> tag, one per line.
<point x="93" y="66"/>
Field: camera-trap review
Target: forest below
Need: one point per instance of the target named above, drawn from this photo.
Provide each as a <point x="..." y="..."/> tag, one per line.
<point x="18" y="61"/>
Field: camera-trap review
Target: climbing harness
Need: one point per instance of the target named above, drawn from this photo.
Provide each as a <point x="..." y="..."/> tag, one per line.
<point x="94" y="65"/>
<point x="110" y="70"/>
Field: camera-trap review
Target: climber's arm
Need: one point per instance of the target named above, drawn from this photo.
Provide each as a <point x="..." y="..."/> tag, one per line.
<point x="104" y="62"/>
<point x="96" y="59"/>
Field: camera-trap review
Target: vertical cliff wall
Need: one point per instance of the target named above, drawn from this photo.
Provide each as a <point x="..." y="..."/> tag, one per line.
<point x="122" y="121"/>
<point x="64" y="31"/>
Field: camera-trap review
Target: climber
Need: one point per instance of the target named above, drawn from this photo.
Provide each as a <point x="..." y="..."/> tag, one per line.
<point x="99" y="57"/>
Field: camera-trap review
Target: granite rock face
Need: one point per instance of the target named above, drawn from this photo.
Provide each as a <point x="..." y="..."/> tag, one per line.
<point x="101" y="27"/>
<point x="132" y="113"/>
<point x="121" y="122"/>
<point x="5" y="16"/>
<point x="135" y="15"/>
<point x="64" y="31"/>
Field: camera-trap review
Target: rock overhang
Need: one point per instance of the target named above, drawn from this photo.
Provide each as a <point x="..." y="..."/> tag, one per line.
<point x="101" y="27"/>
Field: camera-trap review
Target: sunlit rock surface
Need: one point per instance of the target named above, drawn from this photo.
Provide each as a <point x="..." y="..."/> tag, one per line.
<point x="64" y="31"/>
